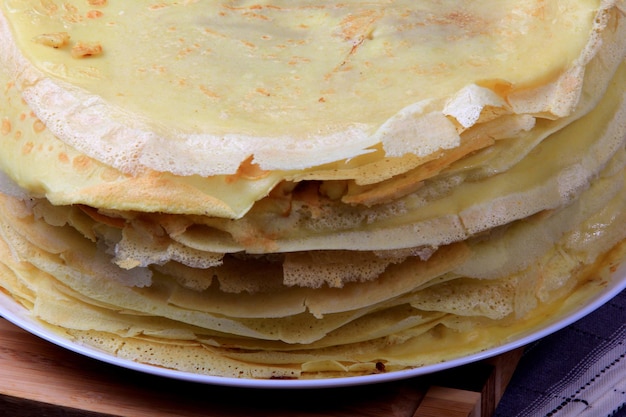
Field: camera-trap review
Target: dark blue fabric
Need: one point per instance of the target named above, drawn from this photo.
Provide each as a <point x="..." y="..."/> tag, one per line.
<point x="550" y="359"/>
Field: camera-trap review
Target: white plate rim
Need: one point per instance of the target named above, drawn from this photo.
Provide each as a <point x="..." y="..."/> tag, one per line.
<point x="20" y="316"/>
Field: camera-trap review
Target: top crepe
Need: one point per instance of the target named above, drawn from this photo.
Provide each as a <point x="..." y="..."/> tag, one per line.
<point x="206" y="88"/>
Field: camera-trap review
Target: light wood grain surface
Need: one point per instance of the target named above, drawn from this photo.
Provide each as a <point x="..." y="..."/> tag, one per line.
<point x="38" y="378"/>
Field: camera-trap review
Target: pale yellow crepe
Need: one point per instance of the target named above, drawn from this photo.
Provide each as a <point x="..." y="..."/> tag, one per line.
<point x="452" y="313"/>
<point x="470" y="69"/>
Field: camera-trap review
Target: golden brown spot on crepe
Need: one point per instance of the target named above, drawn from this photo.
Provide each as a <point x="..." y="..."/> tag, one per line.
<point x="298" y="60"/>
<point x="263" y="91"/>
<point x="63" y="158"/>
<point x="539" y="12"/>
<point x="94" y="14"/>
<point x="208" y="92"/>
<point x="97" y="2"/>
<point x="256" y="16"/>
<point x="18" y="134"/>
<point x="214" y="33"/>
<point x="38" y="126"/>
<point x="184" y="52"/>
<point x="86" y="49"/>
<point x="159" y="69"/>
<point x="81" y="162"/>
<point x="158" y="6"/>
<point x="460" y="19"/>
<point x="6" y="127"/>
<point x="357" y="27"/>
<point x="470" y="25"/>
<point x="248" y="44"/>
<point x="49" y="6"/>
<point x="252" y="7"/>
<point x="27" y="148"/>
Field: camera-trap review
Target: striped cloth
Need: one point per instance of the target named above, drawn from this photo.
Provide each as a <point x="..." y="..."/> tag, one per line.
<point x="577" y="371"/>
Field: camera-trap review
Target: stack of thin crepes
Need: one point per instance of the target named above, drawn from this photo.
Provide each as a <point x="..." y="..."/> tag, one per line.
<point x="306" y="189"/>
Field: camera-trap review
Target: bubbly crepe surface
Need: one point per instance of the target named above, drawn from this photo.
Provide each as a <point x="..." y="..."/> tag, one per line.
<point x="214" y="83"/>
<point x="352" y="58"/>
<point x="296" y="189"/>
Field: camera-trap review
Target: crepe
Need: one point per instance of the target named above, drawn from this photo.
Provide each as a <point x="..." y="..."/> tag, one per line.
<point x="309" y="189"/>
<point x="236" y="130"/>
<point x="417" y="313"/>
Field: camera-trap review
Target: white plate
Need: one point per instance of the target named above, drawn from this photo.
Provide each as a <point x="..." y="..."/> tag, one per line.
<point x="19" y="316"/>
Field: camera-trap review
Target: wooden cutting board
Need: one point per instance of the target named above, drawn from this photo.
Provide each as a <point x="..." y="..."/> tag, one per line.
<point x="38" y="378"/>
